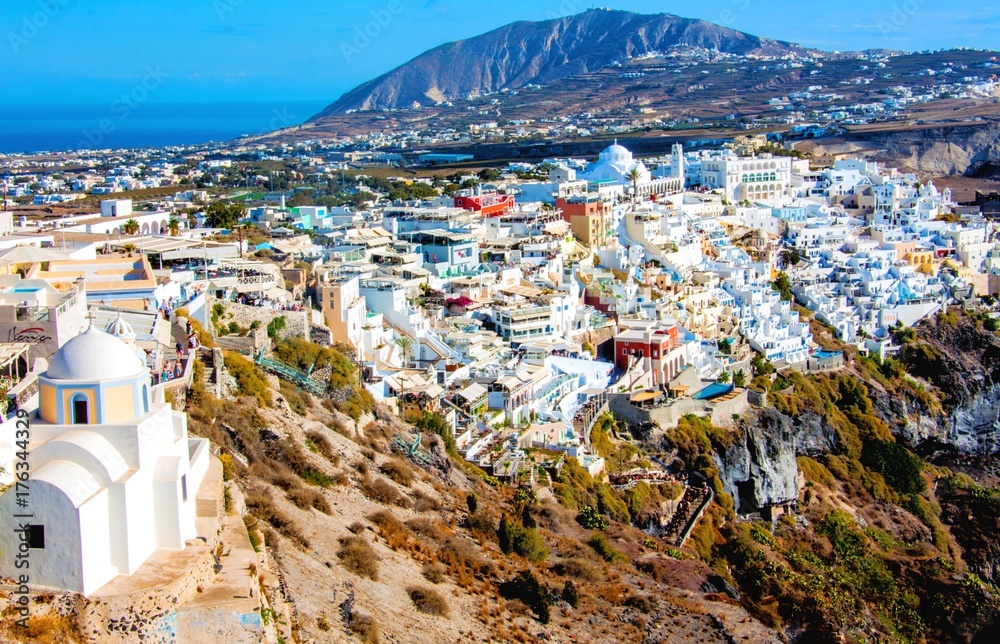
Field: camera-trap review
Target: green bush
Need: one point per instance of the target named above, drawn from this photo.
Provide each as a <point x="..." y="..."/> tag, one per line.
<point x="276" y="326"/>
<point x="526" y="588"/>
<point x="603" y="547"/>
<point x="591" y="519"/>
<point x="249" y="379"/>
<point x="899" y="467"/>
<point x="524" y="541"/>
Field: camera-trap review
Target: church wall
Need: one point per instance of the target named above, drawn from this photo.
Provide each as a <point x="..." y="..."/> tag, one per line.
<point x="47" y="403"/>
<point x="65" y="411"/>
<point x="59" y="563"/>
<point x="95" y="540"/>
<point x="135" y="524"/>
<point x="167" y="499"/>
<point x="119" y="404"/>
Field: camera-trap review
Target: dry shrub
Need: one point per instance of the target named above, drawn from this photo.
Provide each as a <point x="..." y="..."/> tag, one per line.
<point x="434" y="572"/>
<point x="482" y="524"/>
<point x="432" y="528"/>
<point x="365" y="628"/>
<point x="396" y="534"/>
<point x="356" y="528"/>
<point x="399" y="471"/>
<point x="340" y="478"/>
<point x="362" y="467"/>
<point x="338" y="425"/>
<point x="306" y="498"/>
<point x="324" y="446"/>
<point x="358" y="556"/>
<point x="262" y="505"/>
<point x="581" y="569"/>
<point x="642" y="603"/>
<point x="382" y="491"/>
<point x="49" y="628"/>
<point x="429" y="601"/>
<point x="465" y="562"/>
<point x="423" y="502"/>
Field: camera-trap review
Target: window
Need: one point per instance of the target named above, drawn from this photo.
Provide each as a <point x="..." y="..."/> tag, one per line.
<point x="36" y="537"/>
<point x="145" y="399"/>
<point x="81" y="414"/>
<point x="184" y="487"/>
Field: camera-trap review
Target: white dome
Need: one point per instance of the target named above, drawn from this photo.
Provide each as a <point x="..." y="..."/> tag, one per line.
<point x="120" y="329"/>
<point x="94" y="355"/>
<point x="616" y="153"/>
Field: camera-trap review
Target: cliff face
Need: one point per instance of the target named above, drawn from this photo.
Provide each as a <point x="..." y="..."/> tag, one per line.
<point x="970" y="150"/>
<point x="759" y="469"/>
<point x="524" y="53"/>
<point x="960" y="360"/>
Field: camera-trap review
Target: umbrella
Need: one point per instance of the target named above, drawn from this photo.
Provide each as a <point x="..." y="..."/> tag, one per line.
<point x="31" y="255"/>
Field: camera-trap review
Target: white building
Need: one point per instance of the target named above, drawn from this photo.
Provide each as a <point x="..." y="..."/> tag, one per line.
<point x="113" y="472"/>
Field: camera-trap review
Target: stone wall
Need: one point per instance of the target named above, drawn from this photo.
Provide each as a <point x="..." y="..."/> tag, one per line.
<point x="721" y="414"/>
<point x="296" y="322"/>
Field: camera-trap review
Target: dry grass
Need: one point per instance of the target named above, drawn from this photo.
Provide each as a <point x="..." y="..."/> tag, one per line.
<point x="578" y="568"/>
<point x="44" y="629"/>
<point x="262" y="505"/>
<point x="429" y="601"/>
<point x="432" y="528"/>
<point x="358" y="556"/>
<point x="399" y="471"/>
<point x="423" y="502"/>
<point x="306" y="498"/>
<point x="396" y="534"/>
<point x="324" y="446"/>
<point x="434" y="573"/>
<point x="365" y="628"/>
<point x="382" y="491"/>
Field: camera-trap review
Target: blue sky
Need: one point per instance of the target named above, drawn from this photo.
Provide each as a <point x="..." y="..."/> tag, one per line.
<point x="64" y="51"/>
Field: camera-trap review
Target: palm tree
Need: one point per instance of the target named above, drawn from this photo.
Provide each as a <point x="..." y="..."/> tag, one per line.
<point x="404" y="343"/>
<point x="131" y="227"/>
<point x="634" y="175"/>
<point x="128" y="248"/>
<point x="740" y="379"/>
<point x="174" y="225"/>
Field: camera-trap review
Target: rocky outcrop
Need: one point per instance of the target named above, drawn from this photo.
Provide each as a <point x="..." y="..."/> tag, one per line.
<point x="759" y="470"/>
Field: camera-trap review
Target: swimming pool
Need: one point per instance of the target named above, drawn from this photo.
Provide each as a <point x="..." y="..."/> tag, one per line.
<point x="714" y="390"/>
<point x="822" y="355"/>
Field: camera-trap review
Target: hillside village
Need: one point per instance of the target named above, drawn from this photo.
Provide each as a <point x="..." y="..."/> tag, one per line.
<point x="532" y="319"/>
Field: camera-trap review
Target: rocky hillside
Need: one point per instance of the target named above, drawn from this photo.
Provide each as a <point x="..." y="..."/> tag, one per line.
<point x="972" y="150"/>
<point x="524" y="53"/>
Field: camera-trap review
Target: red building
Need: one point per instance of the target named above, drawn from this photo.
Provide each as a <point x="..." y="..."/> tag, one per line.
<point x="657" y="345"/>
<point x="491" y="205"/>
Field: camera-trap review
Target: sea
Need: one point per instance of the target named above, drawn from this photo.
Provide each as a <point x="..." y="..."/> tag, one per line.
<point x="61" y="128"/>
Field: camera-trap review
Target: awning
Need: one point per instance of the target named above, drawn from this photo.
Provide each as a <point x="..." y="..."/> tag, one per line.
<point x="646" y="396"/>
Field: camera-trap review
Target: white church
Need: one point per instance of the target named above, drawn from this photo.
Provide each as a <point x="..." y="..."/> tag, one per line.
<point x="615" y="165"/>
<point x="113" y="472"/>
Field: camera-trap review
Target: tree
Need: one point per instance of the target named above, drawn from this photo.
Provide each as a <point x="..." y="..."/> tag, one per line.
<point x="724" y="378"/>
<point x="761" y="366"/>
<point x="634" y="175"/>
<point x="783" y="285"/>
<point x="404" y="343"/>
<point x="223" y="215"/>
<point x="740" y="378"/>
<point x="131" y="227"/>
<point x="174" y="225"/>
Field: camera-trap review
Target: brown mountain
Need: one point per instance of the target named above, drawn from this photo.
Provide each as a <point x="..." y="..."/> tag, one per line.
<point x="524" y="53"/>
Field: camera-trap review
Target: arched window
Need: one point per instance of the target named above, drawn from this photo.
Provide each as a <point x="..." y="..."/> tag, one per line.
<point x="80" y="408"/>
<point x="145" y="399"/>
